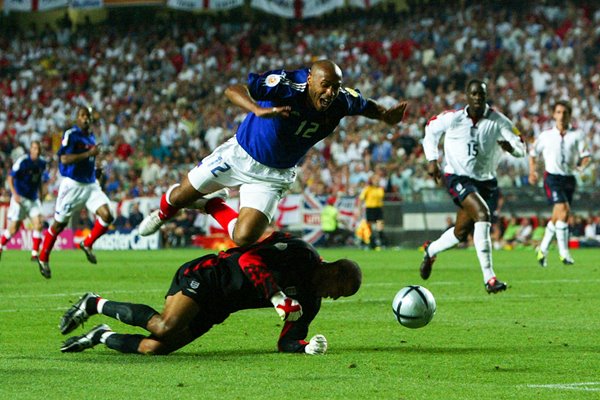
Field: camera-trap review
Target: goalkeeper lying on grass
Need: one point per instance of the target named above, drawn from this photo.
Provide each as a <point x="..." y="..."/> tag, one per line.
<point x="281" y="271"/>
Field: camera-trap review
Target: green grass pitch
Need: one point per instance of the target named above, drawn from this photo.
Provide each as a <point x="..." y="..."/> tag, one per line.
<point x="538" y="340"/>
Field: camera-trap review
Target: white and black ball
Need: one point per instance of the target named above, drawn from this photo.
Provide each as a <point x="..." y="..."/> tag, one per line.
<point x="414" y="306"/>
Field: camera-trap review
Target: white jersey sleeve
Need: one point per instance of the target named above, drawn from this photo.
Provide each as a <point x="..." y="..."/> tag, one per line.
<point x="512" y="135"/>
<point x="434" y="130"/>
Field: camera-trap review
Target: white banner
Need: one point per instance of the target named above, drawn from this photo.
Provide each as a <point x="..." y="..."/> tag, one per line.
<point x="224" y="4"/>
<point x="363" y="3"/>
<point x="204" y="4"/>
<point x="86" y="4"/>
<point x="185" y="4"/>
<point x="314" y="8"/>
<point x="283" y="8"/>
<point x="17" y="5"/>
<point x="45" y="5"/>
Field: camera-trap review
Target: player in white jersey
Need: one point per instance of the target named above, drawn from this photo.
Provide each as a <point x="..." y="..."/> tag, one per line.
<point x="475" y="137"/>
<point x="565" y="151"/>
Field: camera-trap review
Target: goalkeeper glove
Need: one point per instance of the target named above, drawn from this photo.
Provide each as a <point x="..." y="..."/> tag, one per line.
<point x="287" y="308"/>
<point x="317" y="346"/>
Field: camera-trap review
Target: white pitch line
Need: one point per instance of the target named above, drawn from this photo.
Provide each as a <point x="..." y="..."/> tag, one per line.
<point x="78" y="294"/>
<point x="581" y="386"/>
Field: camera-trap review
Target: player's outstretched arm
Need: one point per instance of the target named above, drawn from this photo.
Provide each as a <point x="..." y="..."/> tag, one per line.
<point x="391" y="116"/>
<point x="239" y="95"/>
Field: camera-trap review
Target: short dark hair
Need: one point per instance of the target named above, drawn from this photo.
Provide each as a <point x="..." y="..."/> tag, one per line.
<point x="475" y="81"/>
<point x="349" y="271"/>
<point x="565" y="103"/>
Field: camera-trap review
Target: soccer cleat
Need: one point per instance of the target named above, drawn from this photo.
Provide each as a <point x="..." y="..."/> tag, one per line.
<point x="427" y="263"/>
<point x="567" y="260"/>
<point x="88" y="253"/>
<point x="77" y="344"/>
<point x="495" y="286"/>
<point x="76" y="315"/>
<point x="201" y="203"/>
<point x="150" y="224"/>
<point x="34" y="257"/>
<point x="541" y="258"/>
<point x="44" y="268"/>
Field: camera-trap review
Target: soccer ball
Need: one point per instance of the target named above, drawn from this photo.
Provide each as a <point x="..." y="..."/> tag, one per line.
<point x="414" y="306"/>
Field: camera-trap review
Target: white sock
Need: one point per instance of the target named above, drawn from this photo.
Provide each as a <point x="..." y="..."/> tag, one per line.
<point x="231" y="227"/>
<point x="100" y="305"/>
<point x="562" y="238"/>
<point x="168" y="194"/>
<point x="444" y="242"/>
<point x="483" y="246"/>
<point x="548" y="236"/>
<point x="105" y="336"/>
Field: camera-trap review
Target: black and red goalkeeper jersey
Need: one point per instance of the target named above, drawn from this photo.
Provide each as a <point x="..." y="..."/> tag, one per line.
<point x="247" y="277"/>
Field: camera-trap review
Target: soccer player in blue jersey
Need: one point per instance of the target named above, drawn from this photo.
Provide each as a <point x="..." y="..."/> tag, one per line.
<point x="288" y="113"/>
<point x="79" y="187"/>
<point x="26" y="182"/>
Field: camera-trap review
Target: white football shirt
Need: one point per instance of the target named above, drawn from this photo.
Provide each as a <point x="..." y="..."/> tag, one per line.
<point x="471" y="146"/>
<point x="561" y="153"/>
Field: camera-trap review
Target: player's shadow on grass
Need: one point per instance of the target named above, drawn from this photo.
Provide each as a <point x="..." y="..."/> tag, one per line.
<point x="109" y="356"/>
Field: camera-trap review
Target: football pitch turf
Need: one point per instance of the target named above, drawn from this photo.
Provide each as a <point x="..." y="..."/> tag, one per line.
<point x="538" y="340"/>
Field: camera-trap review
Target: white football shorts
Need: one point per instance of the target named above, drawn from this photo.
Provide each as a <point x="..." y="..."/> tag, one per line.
<point x="229" y="165"/>
<point x="73" y="195"/>
<point x="26" y="208"/>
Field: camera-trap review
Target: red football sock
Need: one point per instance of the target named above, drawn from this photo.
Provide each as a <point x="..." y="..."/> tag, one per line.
<point x="37" y="240"/>
<point x="48" y="244"/>
<point x="3" y="239"/>
<point x="221" y="212"/>
<point x="99" y="229"/>
<point x="167" y="211"/>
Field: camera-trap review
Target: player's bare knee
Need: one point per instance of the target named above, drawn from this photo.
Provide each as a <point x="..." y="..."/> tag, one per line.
<point x="162" y="327"/>
<point x="483" y="216"/>
<point x="245" y="238"/>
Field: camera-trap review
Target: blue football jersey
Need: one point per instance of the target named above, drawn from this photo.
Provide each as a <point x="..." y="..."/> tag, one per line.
<point x="282" y="142"/>
<point x="28" y="175"/>
<point x="74" y="141"/>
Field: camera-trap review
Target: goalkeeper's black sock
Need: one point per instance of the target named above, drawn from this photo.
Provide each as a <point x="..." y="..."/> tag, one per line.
<point x="129" y="313"/>
<point x="125" y="343"/>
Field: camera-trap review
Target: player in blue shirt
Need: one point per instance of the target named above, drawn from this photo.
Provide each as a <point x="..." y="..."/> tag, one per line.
<point x="26" y="182"/>
<point x="288" y="112"/>
<point x="79" y="187"/>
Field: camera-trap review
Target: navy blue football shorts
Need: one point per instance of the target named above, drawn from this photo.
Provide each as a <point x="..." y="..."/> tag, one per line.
<point x="559" y="188"/>
<point x="459" y="187"/>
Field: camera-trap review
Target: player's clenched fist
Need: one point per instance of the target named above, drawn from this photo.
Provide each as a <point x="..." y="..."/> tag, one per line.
<point x="287" y="308"/>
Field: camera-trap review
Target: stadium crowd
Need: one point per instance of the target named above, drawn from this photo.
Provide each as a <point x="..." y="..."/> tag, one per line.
<point x="157" y="88"/>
